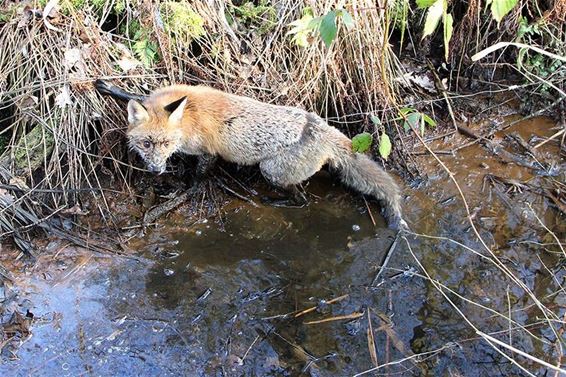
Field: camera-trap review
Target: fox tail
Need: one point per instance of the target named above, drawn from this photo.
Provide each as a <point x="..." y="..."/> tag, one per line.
<point x="365" y="175"/>
<point x="106" y="88"/>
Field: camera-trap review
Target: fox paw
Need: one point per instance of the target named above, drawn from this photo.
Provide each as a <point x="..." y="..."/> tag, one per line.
<point x="397" y="223"/>
<point x="283" y="203"/>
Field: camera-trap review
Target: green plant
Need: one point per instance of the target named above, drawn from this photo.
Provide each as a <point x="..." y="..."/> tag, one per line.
<point x="325" y="26"/>
<point x="7" y="13"/>
<point x="385" y="145"/>
<point x="301" y="31"/>
<point x="181" y="21"/>
<point x="145" y="49"/>
<point x="362" y="142"/>
<point x="534" y="63"/>
<point x="399" y="11"/>
<point x="67" y="6"/>
<point x="499" y="8"/>
<point x="416" y="120"/>
<point x="436" y="10"/>
<point x="262" y="17"/>
<point x="130" y="29"/>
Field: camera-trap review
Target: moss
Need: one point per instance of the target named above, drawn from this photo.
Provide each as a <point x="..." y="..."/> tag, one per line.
<point x="130" y="29"/>
<point x="32" y="149"/>
<point x="98" y="5"/>
<point x="118" y="8"/>
<point x="262" y="17"/>
<point x="7" y="13"/>
<point x="181" y="21"/>
<point x="3" y="143"/>
<point x="66" y="5"/>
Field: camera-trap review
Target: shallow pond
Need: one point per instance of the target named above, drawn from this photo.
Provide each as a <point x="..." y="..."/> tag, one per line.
<point x="280" y="291"/>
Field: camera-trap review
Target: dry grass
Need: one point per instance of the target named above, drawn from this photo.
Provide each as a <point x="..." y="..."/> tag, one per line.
<point x="352" y="76"/>
<point x="61" y="134"/>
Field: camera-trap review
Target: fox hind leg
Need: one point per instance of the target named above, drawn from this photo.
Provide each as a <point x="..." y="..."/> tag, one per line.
<point x="289" y="169"/>
<point x="295" y="198"/>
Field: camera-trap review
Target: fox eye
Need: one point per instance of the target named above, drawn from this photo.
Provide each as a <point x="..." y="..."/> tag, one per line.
<point x="165" y="144"/>
<point x="146" y="144"/>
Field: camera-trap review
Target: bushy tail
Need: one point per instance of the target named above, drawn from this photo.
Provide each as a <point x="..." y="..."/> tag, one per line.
<point x="365" y="175"/>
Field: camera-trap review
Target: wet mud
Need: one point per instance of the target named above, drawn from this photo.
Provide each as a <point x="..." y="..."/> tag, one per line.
<point x="286" y="292"/>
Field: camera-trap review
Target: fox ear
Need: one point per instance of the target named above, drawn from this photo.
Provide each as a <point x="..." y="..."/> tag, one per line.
<point x="176" y="108"/>
<point x="136" y="113"/>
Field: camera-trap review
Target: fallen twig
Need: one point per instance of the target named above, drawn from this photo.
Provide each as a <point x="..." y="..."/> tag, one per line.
<point x="225" y="187"/>
<point x="163" y="208"/>
<point x="353" y="315"/>
<point x="299" y="313"/>
<point x="549" y="139"/>
<point x="386" y="259"/>
<point x="371" y="342"/>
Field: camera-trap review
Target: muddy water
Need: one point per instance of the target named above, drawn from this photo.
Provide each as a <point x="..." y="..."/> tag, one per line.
<point x="231" y="297"/>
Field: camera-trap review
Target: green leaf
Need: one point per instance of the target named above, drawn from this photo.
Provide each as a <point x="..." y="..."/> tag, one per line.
<point x="422" y="4"/>
<point x="448" y="21"/>
<point x="301" y="30"/>
<point x="406" y="110"/>
<point x="348" y="20"/>
<point x="307" y="11"/>
<point x="433" y="16"/>
<point x="521" y="57"/>
<point x="431" y="122"/>
<point x="499" y="8"/>
<point x="315" y="23"/>
<point x="401" y="20"/>
<point x="362" y="142"/>
<point x="146" y="52"/>
<point x="328" y="28"/>
<point x="412" y="121"/>
<point x="375" y="120"/>
<point x="384" y="146"/>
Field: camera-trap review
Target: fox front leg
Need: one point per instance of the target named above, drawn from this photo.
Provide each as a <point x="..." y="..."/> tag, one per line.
<point x="204" y="165"/>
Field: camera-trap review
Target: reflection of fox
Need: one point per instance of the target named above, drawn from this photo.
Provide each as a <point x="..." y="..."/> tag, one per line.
<point x="289" y="144"/>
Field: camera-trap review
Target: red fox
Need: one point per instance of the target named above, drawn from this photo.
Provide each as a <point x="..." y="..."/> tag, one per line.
<point x="288" y="143"/>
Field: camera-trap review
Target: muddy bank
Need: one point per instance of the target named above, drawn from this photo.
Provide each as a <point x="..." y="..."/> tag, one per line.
<point x="271" y="291"/>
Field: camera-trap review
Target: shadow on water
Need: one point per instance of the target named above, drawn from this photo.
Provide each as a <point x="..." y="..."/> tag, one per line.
<point x="229" y="298"/>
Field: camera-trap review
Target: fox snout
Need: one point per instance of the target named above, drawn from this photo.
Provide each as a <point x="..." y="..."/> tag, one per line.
<point x="154" y="151"/>
<point x="158" y="168"/>
<point x="154" y="161"/>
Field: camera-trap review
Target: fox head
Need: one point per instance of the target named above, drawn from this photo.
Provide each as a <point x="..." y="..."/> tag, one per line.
<point x="154" y="133"/>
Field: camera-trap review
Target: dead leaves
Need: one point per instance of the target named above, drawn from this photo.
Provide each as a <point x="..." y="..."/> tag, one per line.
<point x="15" y="331"/>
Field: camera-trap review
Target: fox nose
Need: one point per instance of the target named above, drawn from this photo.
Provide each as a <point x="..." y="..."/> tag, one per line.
<point x="158" y="169"/>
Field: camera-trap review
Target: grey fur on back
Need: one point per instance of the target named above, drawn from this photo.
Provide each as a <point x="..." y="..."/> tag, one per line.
<point x="257" y="131"/>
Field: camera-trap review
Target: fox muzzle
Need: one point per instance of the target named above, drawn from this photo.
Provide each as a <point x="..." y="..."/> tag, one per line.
<point x="156" y="168"/>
